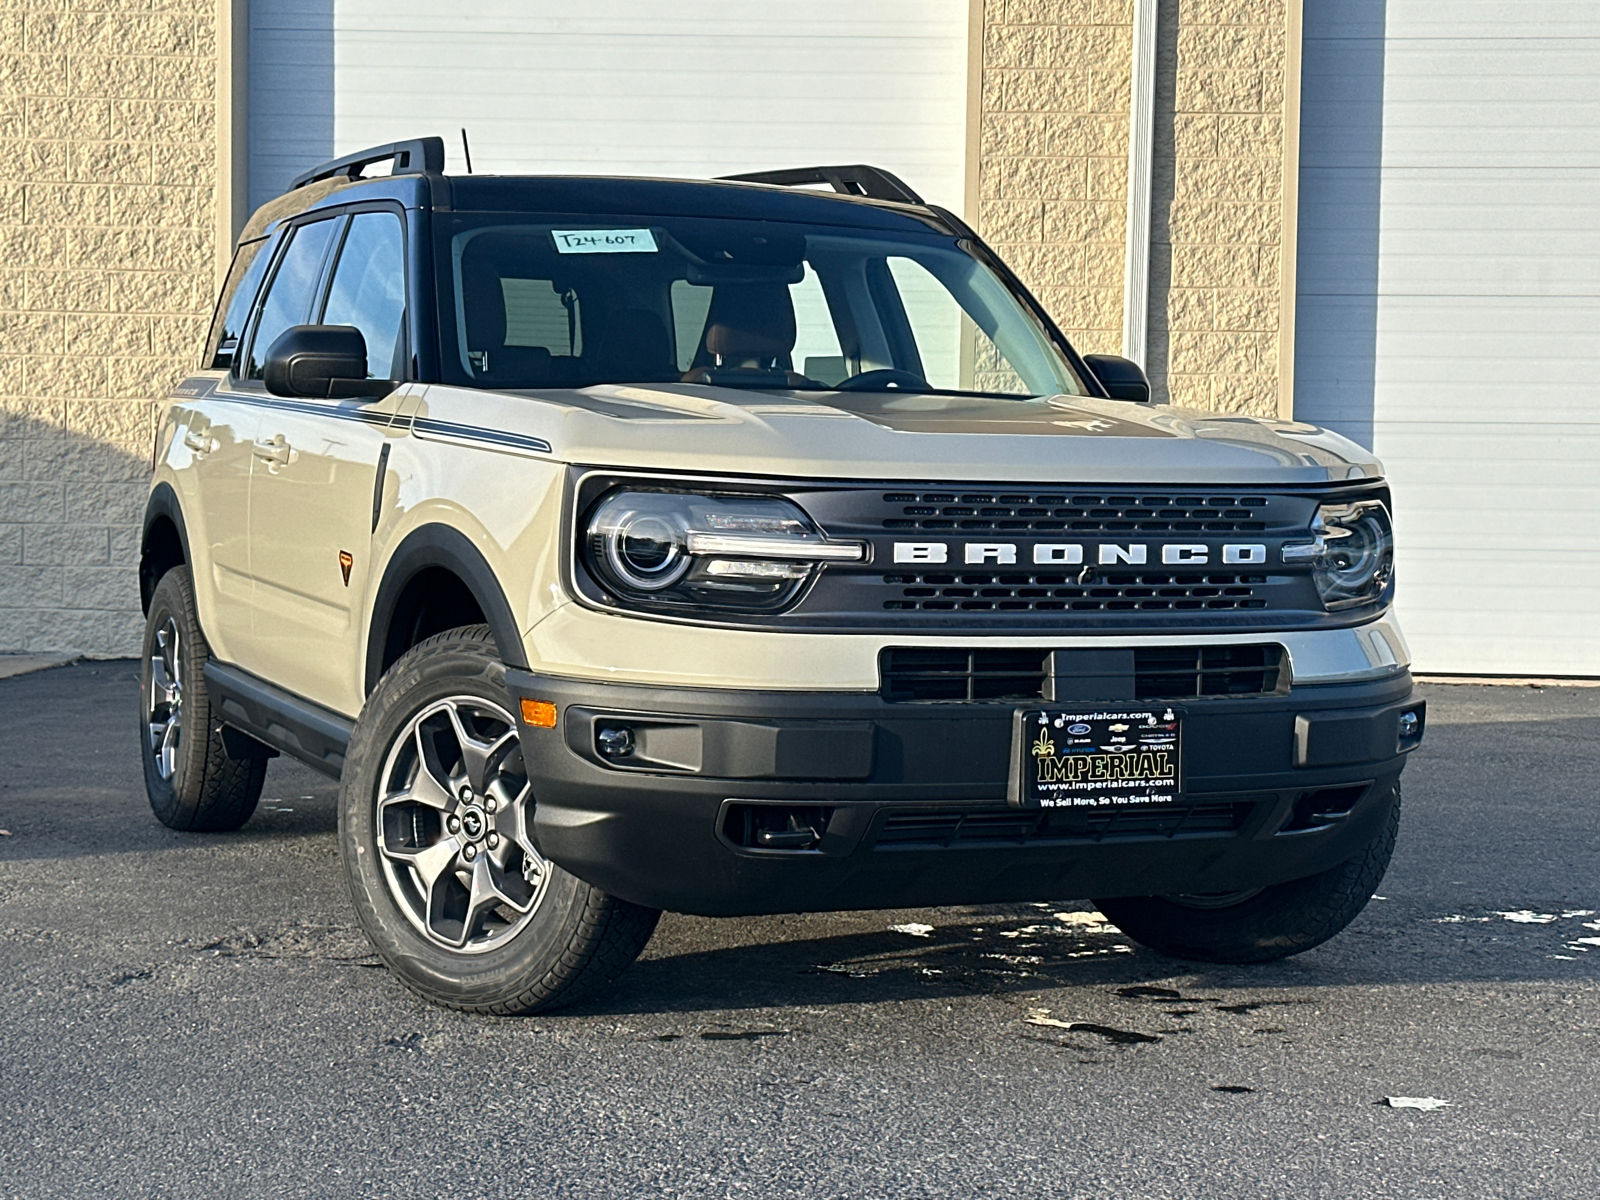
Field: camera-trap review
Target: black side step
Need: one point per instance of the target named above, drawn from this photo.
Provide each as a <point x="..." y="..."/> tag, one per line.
<point x="284" y="721"/>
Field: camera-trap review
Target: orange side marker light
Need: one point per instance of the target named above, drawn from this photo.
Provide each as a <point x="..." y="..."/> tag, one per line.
<point x="538" y="714"/>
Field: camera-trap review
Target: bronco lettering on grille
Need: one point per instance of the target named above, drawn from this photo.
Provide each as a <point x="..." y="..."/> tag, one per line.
<point x="1058" y="553"/>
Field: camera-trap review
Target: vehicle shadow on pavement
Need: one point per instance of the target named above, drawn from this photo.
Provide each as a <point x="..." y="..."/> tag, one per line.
<point x="1495" y="877"/>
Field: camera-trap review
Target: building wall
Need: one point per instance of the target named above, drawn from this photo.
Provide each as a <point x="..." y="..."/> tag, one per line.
<point x="109" y="150"/>
<point x="1052" y="181"/>
<point x="108" y="162"/>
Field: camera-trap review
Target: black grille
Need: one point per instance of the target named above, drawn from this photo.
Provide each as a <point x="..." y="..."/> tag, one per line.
<point x="1059" y="591"/>
<point x="1029" y="511"/>
<point x="945" y="828"/>
<point x="908" y="675"/>
<point x="1194" y="672"/>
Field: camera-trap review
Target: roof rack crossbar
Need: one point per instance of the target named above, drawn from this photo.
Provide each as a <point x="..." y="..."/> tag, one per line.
<point x="859" y="180"/>
<point x="414" y="157"/>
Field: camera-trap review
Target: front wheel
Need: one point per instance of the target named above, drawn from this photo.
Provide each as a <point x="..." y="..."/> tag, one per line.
<point x="1261" y="924"/>
<point x="436" y="835"/>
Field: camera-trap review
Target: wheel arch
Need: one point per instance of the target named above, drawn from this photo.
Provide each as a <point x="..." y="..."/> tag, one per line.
<point x="425" y="567"/>
<point x="163" y="542"/>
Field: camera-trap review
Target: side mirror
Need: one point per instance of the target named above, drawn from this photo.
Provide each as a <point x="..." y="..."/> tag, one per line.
<point x="1122" y="378"/>
<point x="322" y="361"/>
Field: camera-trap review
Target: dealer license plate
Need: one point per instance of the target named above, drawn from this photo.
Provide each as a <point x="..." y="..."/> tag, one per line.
<point x="1099" y="759"/>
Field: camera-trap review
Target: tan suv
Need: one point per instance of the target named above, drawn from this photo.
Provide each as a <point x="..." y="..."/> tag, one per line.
<point x="734" y="547"/>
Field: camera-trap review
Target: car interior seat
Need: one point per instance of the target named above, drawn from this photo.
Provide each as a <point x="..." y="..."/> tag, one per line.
<point x="633" y="346"/>
<point x="750" y="330"/>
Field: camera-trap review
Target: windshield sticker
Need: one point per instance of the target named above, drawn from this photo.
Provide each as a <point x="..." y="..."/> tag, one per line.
<point x="604" y="241"/>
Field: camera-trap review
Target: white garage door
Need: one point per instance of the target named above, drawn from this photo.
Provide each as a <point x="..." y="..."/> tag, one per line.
<point x="691" y="88"/>
<point x="1449" y="308"/>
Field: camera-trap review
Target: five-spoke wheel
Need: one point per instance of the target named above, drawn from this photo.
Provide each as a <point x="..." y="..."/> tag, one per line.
<point x="164" y="700"/>
<point x="453" y="820"/>
<point x="437" y="834"/>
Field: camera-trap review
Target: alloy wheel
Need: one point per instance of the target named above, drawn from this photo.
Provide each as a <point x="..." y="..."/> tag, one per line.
<point x="454" y="821"/>
<point x="164" y="701"/>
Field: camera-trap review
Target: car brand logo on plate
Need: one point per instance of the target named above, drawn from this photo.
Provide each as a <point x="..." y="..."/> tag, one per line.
<point x="1078" y="729"/>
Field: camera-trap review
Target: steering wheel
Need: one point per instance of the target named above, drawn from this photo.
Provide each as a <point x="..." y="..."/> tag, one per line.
<point x="883" y="380"/>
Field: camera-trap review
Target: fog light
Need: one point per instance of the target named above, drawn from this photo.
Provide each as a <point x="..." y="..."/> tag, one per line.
<point x="1410" y="725"/>
<point x="614" y="741"/>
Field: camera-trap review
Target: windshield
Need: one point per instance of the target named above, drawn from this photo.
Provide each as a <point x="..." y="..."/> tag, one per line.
<point x="536" y="302"/>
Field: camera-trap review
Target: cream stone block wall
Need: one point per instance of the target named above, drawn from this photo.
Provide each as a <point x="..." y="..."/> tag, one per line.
<point x="108" y="159"/>
<point x="1052" y="183"/>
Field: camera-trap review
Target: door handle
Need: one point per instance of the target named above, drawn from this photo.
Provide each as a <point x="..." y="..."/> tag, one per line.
<point x="275" y="451"/>
<point x="200" y="443"/>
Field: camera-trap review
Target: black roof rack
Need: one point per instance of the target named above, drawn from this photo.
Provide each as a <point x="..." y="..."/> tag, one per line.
<point x="410" y="158"/>
<point x="859" y="180"/>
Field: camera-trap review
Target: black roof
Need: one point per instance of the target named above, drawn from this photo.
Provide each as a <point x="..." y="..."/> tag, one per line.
<point x="866" y="198"/>
<point x="624" y="195"/>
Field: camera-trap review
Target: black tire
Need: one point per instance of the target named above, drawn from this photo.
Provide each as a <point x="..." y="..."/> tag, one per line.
<point x="571" y="942"/>
<point x="1262" y="926"/>
<point x="192" y="781"/>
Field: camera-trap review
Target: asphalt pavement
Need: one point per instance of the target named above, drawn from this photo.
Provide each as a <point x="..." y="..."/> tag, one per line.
<point x="186" y="1015"/>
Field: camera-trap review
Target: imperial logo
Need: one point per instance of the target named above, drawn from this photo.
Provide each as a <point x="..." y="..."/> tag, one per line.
<point x="1061" y="554"/>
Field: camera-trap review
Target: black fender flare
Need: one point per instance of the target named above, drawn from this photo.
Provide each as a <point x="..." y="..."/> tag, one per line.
<point x="441" y="546"/>
<point x="163" y="502"/>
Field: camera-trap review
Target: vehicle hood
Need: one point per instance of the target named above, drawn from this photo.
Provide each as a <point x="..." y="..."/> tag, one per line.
<point x="893" y="435"/>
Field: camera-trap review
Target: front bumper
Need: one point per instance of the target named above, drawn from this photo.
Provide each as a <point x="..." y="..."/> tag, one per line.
<point x="909" y="799"/>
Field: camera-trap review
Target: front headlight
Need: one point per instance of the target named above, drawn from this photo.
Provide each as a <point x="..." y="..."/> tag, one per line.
<point x="1352" y="554"/>
<point x="675" y="550"/>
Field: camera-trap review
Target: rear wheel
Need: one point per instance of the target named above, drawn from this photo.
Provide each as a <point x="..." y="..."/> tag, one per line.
<point x="1261" y="924"/>
<point x="436" y="833"/>
<point x="194" y="784"/>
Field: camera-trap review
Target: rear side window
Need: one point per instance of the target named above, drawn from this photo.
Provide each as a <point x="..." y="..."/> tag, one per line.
<point x="368" y="291"/>
<point x="290" y="294"/>
<point x="233" y="306"/>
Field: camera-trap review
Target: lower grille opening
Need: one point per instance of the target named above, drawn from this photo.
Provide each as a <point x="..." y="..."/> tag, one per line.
<point x="913" y="675"/>
<point x="1323" y="807"/>
<point x="776" y="826"/>
<point x="963" y="675"/>
<point x="1195" y="672"/>
<point x="945" y="828"/>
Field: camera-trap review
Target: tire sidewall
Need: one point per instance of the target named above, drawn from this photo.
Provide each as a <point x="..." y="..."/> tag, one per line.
<point x="1281" y="920"/>
<point x="460" y="663"/>
<point x="175" y="801"/>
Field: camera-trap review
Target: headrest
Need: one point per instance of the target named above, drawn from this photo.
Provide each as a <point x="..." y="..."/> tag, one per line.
<point x="750" y="320"/>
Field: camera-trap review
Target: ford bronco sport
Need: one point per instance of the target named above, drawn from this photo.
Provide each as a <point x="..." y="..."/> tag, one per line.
<point x="738" y="547"/>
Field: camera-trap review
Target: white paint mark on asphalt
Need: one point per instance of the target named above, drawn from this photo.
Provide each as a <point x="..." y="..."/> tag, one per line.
<point x="1041" y="1016"/>
<point x="913" y="928"/>
<point x="1421" y="1103"/>
<point x="1526" y="916"/>
<point x="1087" y="922"/>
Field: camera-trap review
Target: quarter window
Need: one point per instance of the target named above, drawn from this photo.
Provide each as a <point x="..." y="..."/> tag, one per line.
<point x="290" y="294"/>
<point x="238" y="294"/>
<point x="369" y="291"/>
